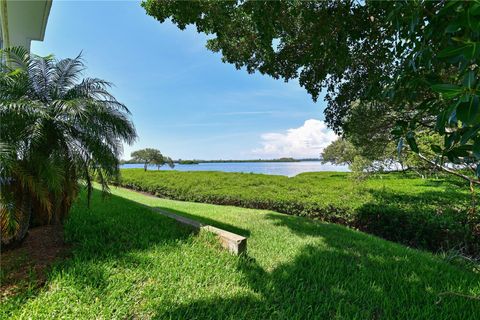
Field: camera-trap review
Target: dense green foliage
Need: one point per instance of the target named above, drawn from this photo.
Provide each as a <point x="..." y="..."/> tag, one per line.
<point x="130" y="263"/>
<point x="371" y="156"/>
<point x="412" y="65"/>
<point x="339" y="152"/>
<point x="55" y="130"/>
<point x="150" y="156"/>
<point x="425" y="213"/>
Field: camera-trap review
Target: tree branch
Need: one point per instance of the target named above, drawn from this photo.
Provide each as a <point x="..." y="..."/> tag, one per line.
<point x="465" y="177"/>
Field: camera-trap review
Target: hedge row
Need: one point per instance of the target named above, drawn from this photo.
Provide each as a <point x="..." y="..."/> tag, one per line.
<point x="429" y="214"/>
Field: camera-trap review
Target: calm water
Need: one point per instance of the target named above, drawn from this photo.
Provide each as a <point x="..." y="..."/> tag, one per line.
<point x="289" y="169"/>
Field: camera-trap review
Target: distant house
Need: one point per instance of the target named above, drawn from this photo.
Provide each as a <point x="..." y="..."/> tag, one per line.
<point x="23" y="21"/>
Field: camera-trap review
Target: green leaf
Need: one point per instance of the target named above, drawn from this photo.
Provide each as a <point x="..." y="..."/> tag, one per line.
<point x="447" y="90"/>
<point x="472" y="51"/>
<point x="453" y="27"/>
<point x="476" y="149"/>
<point x="475" y="9"/>
<point x="445" y="117"/>
<point x="451" y="157"/>
<point x="467" y="112"/>
<point x="436" y="148"/>
<point x="399" y="128"/>
<point x="469" y="79"/>
<point x="451" y="139"/>
<point x="15" y="72"/>
<point x="465" y="97"/>
<point x="469" y="134"/>
<point x="412" y="142"/>
<point x="451" y="52"/>
<point x="459" y="152"/>
<point x="468" y="50"/>
<point x="440" y="124"/>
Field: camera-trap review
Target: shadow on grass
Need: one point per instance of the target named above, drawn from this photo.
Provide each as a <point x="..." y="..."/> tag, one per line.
<point x="447" y="183"/>
<point x="110" y="232"/>
<point x="352" y="275"/>
<point x="114" y="226"/>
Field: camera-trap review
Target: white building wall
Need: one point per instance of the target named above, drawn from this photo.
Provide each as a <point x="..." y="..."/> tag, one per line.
<point x="23" y="21"/>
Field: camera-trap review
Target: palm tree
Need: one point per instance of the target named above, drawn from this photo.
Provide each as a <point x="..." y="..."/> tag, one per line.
<point x="56" y="131"/>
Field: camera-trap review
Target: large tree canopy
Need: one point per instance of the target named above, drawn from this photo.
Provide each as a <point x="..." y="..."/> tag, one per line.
<point x="417" y="61"/>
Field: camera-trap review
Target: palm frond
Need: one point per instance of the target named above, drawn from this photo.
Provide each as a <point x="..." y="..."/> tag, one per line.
<point x="41" y="73"/>
<point x="56" y="130"/>
<point x="66" y="73"/>
<point x="14" y="58"/>
<point x="33" y="185"/>
<point x="10" y="216"/>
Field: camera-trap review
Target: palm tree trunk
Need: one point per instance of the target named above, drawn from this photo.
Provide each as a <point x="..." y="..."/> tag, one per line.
<point x="24" y="223"/>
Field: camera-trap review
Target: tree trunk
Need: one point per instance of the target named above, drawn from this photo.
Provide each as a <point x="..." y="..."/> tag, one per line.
<point x="145" y="166"/>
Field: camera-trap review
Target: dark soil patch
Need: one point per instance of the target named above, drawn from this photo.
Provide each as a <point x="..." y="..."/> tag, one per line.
<point x="27" y="264"/>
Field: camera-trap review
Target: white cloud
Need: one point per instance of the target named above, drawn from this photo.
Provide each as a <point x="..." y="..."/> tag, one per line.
<point x="307" y="141"/>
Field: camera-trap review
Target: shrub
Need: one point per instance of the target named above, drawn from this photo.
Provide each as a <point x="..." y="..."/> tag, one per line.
<point x="418" y="228"/>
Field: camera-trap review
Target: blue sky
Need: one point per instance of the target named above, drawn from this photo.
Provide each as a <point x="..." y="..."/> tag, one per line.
<point x="184" y="100"/>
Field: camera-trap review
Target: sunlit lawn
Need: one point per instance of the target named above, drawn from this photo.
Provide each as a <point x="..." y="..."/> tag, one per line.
<point x="131" y="263"/>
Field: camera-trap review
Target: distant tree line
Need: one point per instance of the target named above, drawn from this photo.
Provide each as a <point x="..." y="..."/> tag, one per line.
<point x="229" y="161"/>
<point x="195" y="161"/>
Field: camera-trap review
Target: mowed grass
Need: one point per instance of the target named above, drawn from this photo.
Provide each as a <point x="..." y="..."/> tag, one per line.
<point x="129" y="262"/>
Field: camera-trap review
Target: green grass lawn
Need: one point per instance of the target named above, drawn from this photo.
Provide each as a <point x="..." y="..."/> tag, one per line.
<point x="128" y="262"/>
<point x="425" y="213"/>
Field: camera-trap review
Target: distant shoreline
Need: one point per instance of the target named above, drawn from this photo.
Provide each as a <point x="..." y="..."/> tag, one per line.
<point x="189" y="162"/>
<point x="287" y="168"/>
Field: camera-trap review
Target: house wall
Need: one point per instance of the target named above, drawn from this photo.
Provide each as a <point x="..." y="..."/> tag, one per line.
<point x="23" y="21"/>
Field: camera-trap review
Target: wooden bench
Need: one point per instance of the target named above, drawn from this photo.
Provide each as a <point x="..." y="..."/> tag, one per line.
<point x="234" y="243"/>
